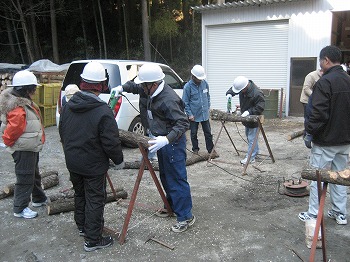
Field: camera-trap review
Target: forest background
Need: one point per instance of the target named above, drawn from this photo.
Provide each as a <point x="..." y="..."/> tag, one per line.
<point x="165" y="31"/>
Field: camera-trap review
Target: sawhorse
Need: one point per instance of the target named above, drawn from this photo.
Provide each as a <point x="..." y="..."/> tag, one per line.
<point x="144" y="162"/>
<point x="320" y="219"/>
<point x="260" y="128"/>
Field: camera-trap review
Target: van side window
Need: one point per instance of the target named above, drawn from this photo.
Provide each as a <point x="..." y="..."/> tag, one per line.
<point x="172" y="81"/>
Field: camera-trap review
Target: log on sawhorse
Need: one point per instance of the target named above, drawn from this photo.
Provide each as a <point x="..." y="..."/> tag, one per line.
<point x="325" y="176"/>
<point x="320" y="218"/>
<point x="223" y="117"/>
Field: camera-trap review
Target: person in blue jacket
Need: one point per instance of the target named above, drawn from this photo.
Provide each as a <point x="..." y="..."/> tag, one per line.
<point x="197" y="103"/>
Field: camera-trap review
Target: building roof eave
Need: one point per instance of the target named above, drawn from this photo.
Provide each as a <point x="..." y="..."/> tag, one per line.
<point x="239" y="3"/>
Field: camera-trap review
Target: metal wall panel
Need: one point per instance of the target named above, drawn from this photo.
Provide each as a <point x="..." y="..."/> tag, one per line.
<point x="257" y="51"/>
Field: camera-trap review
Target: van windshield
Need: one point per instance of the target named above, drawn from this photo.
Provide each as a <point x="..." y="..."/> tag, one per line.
<point x="75" y="69"/>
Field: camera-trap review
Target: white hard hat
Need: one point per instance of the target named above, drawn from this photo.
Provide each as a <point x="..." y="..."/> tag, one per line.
<point x="70" y="90"/>
<point x="24" y="78"/>
<point x="94" y="72"/>
<point x="239" y="84"/>
<point x="198" y="72"/>
<point x="149" y="73"/>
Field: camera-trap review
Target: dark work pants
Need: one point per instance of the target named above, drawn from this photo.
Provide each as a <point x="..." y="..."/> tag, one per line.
<point x="207" y="135"/>
<point x="28" y="180"/>
<point x="89" y="199"/>
<point x="173" y="174"/>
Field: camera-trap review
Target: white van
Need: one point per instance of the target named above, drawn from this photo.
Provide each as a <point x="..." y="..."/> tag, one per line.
<point x="119" y="72"/>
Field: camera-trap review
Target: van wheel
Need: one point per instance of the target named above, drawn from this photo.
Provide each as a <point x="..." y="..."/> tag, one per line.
<point x="137" y="127"/>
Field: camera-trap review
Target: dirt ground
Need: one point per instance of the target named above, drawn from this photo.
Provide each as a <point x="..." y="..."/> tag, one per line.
<point x="239" y="218"/>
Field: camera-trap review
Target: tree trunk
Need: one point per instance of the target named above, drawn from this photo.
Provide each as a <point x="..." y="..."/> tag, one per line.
<point x="334" y="177"/>
<point x="97" y="30"/>
<point x="56" y="58"/>
<point x="17" y="40"/>
<point x="102" y="28"/>
<point x="25" y="32"/>
<point x="10" y="37"/>
<point x="126" y="31"/>
<point x="145" y="31"/>
<point x="34" y="36"/>
<point x="83" y="28"/>
<point x="67" y="205"/>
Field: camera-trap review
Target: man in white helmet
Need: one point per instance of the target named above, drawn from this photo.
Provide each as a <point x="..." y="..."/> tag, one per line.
<point x="197" y="104"/>
<point x="90" y="137"/>
<point x="23" y="134"/>
<point x="252" y="102"/>
<point x="168" y="123"/>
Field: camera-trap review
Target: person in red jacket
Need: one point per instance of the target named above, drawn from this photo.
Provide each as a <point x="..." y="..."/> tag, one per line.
<point x="23" y="134"/>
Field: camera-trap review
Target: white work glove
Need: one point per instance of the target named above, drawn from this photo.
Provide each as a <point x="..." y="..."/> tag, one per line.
<point x="118" y="90"/>
<point x="245" y="113"/>
<point x="158" y="143"/>
<point x="228" y="96"/>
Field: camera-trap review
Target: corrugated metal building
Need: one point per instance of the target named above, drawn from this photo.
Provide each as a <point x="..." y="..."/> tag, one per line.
<point x="275" y="43"/>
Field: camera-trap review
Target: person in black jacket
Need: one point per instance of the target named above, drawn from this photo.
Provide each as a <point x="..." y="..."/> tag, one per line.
<point x="168" y="123"/>
<point x="328" y="131"/>
<point x="252" y="102"/>
<point x="90" y="137"/>
<point x="132" y="87"/>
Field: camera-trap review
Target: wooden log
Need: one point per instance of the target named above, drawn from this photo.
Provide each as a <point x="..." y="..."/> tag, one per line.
<point x="67" y="205"/>
<point x="295" y="135"/>
<point x="10" y="188"/>
<point x="63" y="195"/>
<point x="131" y="139"/>
<point x="137" y="164"/>
<point x="48" y="173"/>
<point x="3" y="194"/>
<point x="224" y="116"/>
<point x="334" y="177"/>
<point x="70" y="194"/>
<point x="49" y="181"/>
<point x="192" y="159"/>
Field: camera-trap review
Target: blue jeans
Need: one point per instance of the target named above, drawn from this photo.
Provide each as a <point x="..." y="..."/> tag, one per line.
<point x="173" y="175"/>
<point x="207" y="135"/>
<point x="333" y="158"/>
<point x="251" y="133"/>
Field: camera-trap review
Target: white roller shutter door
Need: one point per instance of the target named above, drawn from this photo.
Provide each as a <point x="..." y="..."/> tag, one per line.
<point x="258" y="51"/>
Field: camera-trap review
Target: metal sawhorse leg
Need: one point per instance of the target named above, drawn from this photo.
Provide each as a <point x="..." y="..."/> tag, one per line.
<point x="144" y="162"/>
<point x="320" y="219"/>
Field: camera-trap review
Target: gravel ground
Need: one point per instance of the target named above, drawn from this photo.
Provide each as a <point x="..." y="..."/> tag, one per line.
<point x="239" y="218"/>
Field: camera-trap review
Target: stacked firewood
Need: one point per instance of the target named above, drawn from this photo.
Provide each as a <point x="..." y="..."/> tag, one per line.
<point x="6" y="79"/>
<point x="49" y="77"/>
